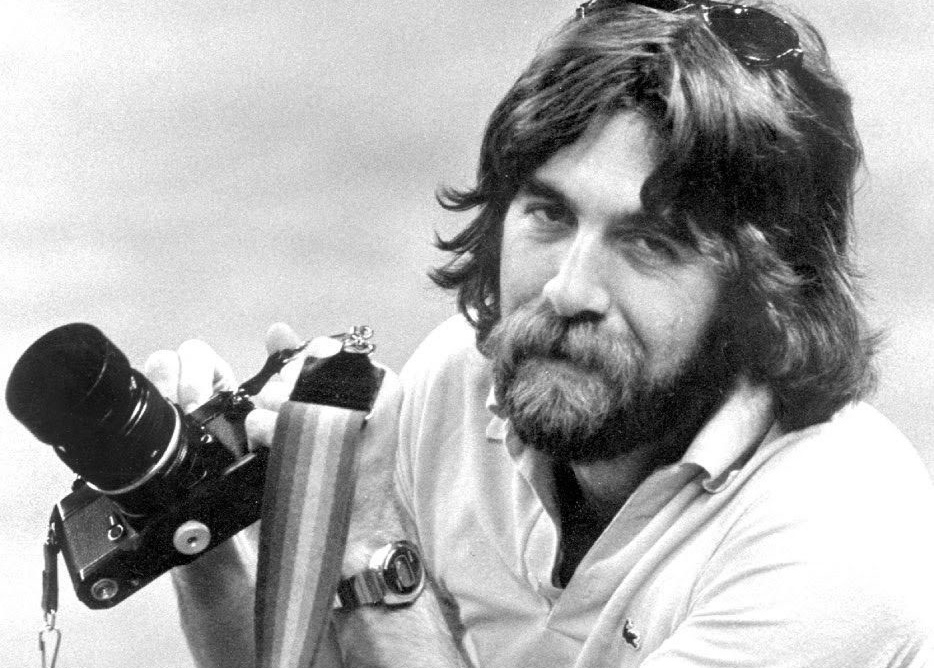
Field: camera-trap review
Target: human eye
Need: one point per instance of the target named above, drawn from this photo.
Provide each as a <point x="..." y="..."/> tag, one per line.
<point x="650" y="248"/>
<point x="547" y="215"/>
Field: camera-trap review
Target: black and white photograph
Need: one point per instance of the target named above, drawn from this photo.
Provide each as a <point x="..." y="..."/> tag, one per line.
<point x="467" y="334"/>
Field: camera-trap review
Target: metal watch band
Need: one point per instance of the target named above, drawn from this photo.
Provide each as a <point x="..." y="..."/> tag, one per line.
<point x="364" y="588"/>
<point x="395" y="577"/>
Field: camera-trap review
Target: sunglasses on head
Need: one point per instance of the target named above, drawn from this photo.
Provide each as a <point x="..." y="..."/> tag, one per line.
<point x="757" y="37"/>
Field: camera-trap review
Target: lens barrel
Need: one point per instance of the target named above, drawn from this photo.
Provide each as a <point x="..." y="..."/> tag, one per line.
<point x="75" y="390"/>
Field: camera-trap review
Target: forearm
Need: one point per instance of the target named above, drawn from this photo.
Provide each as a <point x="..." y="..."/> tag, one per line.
<point x="419" y="635"/>
<point x="215" y="599"/>
<point x="416" y="636"/>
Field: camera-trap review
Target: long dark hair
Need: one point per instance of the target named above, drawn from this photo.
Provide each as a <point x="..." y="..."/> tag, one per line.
<point x="756" y="165"/>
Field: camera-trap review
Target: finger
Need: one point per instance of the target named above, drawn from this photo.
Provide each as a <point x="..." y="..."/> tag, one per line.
<point x="273" y="394"/>
<point x="323" y="346"/>
<point x="201" y="373"/>
<point x="280" y="336"/>
<point x="162" y="368"/>
<point x="260" y="427"/>
<point x="279" y="387"/>
<point x="318" y="347"/>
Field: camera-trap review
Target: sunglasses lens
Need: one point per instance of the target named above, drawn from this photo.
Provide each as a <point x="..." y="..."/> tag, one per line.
<point x="661" y="5"/>
<point x="756" y="36"/>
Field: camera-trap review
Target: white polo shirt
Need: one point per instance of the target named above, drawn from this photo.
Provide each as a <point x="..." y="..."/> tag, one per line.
<point x="814" y="548"/>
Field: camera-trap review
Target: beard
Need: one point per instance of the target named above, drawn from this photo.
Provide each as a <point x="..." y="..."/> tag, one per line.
<point x="582" y="395"/>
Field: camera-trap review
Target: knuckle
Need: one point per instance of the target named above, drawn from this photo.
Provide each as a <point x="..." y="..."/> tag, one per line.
<point x="260" y="425"/>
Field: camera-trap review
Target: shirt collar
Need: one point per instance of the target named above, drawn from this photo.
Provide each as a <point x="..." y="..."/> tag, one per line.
<point x="721" y="447"/>
<point x="732" y="435"/>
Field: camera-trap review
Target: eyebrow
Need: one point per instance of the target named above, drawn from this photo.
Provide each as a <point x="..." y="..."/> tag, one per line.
<point x="535" y="187"/>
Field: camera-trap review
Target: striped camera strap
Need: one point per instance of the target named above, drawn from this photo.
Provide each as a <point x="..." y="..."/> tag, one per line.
<point x="306" y="509"/>
<point x="304" y="529"/>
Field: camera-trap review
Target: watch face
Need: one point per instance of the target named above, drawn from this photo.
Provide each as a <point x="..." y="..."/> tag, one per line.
<point x="403" y="572"/>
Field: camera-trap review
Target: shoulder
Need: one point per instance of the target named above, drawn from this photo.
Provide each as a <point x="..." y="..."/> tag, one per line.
<point x="446" y="356"/>
<point x="444" y="389"/>
<point x="836" y="522"/>
<point x="854" y="479"/>
<point x="452" y="335"/>
<point x="445" y="383"/>
<point x="857" y="454"/>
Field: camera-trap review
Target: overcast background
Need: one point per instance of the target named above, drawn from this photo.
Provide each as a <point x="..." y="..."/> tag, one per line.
<point x="177" y="169"/>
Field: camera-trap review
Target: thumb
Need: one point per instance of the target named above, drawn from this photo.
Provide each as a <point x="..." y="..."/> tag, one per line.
<point x="280" y="336"/>
<point x="260" y="423"/>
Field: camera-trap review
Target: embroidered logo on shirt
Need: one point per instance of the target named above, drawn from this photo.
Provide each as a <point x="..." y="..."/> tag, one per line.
<point x="630" y="635"/>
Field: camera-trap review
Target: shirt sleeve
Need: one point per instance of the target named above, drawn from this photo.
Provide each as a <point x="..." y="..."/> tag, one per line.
<point x="431" y="372"/>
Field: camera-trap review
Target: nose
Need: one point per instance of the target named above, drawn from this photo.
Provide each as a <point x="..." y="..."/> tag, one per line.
<point x="578" y="288"/>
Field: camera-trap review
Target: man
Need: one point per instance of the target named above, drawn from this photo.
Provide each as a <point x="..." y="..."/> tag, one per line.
<point x="642" y="443"/>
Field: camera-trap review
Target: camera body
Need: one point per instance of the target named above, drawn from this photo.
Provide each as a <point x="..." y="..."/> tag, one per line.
<point x="111" y="553"/>
<point x="156" y="488"/>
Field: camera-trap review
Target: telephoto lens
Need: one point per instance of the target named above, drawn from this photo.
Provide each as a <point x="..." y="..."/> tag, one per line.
<point x="76" y="391"/>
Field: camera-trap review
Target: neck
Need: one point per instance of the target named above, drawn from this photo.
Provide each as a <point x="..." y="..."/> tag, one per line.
<point x="589" y="496"/>
<point x="606" y="485"/>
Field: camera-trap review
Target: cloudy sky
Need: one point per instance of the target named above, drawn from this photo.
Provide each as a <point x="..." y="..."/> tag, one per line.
<point x="176" y="169"/>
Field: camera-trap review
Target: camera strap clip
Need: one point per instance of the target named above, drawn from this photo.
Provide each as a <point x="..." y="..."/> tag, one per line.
<point x="50" y="638"/>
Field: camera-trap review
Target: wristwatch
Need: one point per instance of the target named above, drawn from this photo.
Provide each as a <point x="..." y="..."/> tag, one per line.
<point x="394" y="577"/>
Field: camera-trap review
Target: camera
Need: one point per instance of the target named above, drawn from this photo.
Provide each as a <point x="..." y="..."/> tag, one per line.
<point x="156" y="488"/>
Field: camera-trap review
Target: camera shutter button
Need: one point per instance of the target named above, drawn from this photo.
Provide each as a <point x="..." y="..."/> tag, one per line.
<point x="192" y="537"/>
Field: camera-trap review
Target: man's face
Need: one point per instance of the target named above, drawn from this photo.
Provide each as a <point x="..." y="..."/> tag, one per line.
<point x="603" y="318"/>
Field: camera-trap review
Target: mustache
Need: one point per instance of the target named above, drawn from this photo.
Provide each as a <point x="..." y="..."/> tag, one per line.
<point x="538" y="332"/>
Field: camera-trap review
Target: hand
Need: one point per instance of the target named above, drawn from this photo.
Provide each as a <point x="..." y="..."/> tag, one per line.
<point x="194" y="373"/>
<point x="191" y="375"/>
<point x="216" y="591"/>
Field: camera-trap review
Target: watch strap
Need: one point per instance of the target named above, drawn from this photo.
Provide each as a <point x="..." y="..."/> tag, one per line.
<point x="364" y="588"/>
<point x="394" y="577"/>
